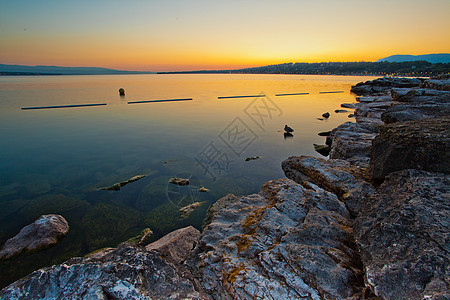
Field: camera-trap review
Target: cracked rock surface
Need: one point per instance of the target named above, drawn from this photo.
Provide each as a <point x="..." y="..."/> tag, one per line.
<point x="287" y="242"/>
<point x="403" y="234"/>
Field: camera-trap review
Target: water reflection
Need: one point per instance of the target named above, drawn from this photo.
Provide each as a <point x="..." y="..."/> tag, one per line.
<point x="288" y="135"/>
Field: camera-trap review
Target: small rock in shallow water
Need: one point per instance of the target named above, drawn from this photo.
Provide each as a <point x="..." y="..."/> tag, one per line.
<point x="142" y="237"/>
<point x="187" y="210"/>
<point x="340" y="111"/>
<point x="179" y="181"/>
<point x="326" y="115"/>
<point x="252" y="158"/>
<point x="203" y="189"/>
<point x="288" y="129"/>
<point x="117" y="186"/>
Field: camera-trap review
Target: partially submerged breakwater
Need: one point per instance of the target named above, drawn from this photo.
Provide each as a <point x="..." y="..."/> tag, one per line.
<point x="371" y="221"/>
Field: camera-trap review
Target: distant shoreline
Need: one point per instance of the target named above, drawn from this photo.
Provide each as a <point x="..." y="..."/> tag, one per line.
<point x="406" y="68"/>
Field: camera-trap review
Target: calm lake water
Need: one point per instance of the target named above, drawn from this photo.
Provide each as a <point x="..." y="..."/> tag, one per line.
<point x="55" y="160"/>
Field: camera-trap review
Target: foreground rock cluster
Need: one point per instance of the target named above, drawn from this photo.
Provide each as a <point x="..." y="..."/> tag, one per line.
<point x="370" y="222"/>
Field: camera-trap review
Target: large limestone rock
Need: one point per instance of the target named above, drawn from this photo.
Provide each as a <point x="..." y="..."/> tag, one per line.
<point x="334" y="175"/>
<point x="287" y="242"/>
<point x="421" y="144"/>
<point x="42" y="233"/>
<point x="352" y="141"/>
<point x="403" y="234"/>
<point x="177" y="244"/>
<point x="384" y="84"/>
<point x="417" y="104"/>
<point x="128" y="272"/>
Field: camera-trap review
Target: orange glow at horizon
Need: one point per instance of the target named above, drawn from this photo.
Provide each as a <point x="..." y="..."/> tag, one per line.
<point x="175" y="35"/>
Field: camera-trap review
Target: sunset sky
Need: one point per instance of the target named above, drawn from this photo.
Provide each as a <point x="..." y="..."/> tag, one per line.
<point x="165" y="35"/>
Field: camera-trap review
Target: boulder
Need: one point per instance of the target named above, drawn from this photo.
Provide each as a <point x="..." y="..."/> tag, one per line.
<point x="177" y="244"/>
<point x="128" y="272"/>
<point x="287" y="242"/>
<point x="402" y="112"/>
<point x="334" y="175"/>
<point x="442" y="83"/>
<point x="403" y="234"/>
<point x="352" y="141"/>
<point x="421" y="144"/>
<point x="42" y="233"/>
<point x="326" y="115"/>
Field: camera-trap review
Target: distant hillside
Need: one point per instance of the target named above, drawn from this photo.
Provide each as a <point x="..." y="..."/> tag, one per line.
<point x="54" y="70"/>
<point x="443" y="58"/>
<point x="411" y="68"/>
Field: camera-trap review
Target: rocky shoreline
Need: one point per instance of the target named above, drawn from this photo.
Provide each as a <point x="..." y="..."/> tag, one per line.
<point x="370" y="222"/>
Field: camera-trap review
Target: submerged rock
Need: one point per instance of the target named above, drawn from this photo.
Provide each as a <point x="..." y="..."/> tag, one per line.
<point x="252" y="158"/>
<point x="42" y="233"/>
<point x="287" y="242"/>
<point x="403" y="233"/>
<point x="142" y="238"/>
<point x="128" y="272"/>
<point x="187" y="210"/>
<point x="179" y="181"/>
<point x="117" y="186"/>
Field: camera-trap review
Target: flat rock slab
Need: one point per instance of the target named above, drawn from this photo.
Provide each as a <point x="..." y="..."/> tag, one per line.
<point x="42" y="233"/>
<point x="287" y="242"/>
<point x="334" y="175"/>
<point x="403" y="234"/>
<point x="128" y="272"/>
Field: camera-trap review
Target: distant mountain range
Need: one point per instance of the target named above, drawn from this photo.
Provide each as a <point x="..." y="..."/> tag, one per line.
<point x="432" y="58"/>
<point x="54" y="70"/>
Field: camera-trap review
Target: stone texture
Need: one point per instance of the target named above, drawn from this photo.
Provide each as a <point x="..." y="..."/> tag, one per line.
<point x="128" y="272"/>
<point x="42" y="233"/>
<point x="418" y="104"/>
<point x="177" y="244"/>
<point x="334" y="175"/>
<point x="287" y="242"/>
<point x="403" y="234"/>
<point x="421" y="144"/>
<point x="441" y="82"/>
<point x="352" y="141"/>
